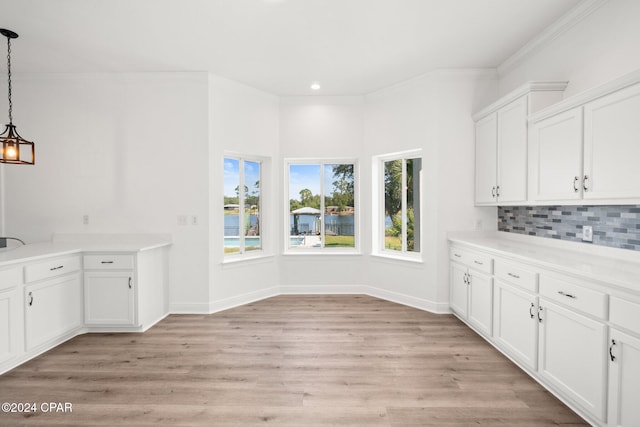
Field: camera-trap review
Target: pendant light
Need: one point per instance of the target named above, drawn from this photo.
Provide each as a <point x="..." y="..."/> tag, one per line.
<point x="14" y="148"/>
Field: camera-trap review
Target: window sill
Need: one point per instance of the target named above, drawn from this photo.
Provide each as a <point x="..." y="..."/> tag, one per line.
<point x="308" y="252"/>
<point x="411" y="259"/>
<point x="237" y="259"/>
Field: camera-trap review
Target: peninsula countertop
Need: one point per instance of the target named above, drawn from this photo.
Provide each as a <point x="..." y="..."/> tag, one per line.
<point x="70" y="244"/>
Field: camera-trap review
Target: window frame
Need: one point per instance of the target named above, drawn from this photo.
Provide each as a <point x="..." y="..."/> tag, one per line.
<point x="322" y="162"/>
<point x="378" y="207"/>
<point x="243" y="254"/>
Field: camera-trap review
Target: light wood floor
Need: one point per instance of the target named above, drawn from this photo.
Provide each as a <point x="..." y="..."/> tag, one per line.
<point x="339" y="360"/>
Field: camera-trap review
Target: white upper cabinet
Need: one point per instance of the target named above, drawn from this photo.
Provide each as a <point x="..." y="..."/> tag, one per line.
<point x="585" y="149"/>
<point x="555" y="157"/>
<point x="512" y="151"/>
<point x="486" y="159"/>
<point x="501" y="143"/>
<point x="612" y="146"/>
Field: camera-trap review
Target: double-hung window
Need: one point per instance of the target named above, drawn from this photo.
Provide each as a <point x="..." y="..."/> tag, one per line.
<point x="399" y="204"/>
<point x="242" y="205"/>
<point x="321" y="211"/>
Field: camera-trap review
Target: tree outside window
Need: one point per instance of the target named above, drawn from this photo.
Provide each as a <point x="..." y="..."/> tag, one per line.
<point x="402" y="204"/>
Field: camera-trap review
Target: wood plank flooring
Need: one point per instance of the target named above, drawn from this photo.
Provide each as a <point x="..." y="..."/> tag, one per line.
<point x="320" y="360"/>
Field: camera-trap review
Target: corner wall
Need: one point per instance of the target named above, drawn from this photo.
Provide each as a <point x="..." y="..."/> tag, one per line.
<point x="129" y="150"/>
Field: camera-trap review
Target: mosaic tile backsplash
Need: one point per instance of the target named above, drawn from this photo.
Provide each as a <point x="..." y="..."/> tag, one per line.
<point x="615" y="226"/>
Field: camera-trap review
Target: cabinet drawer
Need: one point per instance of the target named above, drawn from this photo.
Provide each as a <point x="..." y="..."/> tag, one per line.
<point x="475" y="260"/>
<point x="9" y="278"/>
<point x="108" y="262"/>
<point x="625" y="314"/>
<point x="51" y="268"/>
<point x="516" y="274"/>
<point x="574" y="295"/>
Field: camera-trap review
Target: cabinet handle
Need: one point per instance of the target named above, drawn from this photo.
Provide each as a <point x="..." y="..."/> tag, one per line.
<point x="613" y="358"/>
<point x="515" y="276"/>
<point x="567" y="295"/>
<point x="468" y="279"/>
<point x="584" y="183"/>
<point x="540" y="311"/>
<point x="56" y="268"/>
<point x="530" y="312"/>
<point x="575" y="184"/>
<point x="30" y="299"/>
<point x="129" y="282"/>
<point x="464" y="278"/>
<point x="498" y="191"/>
<point x="493" y="192"/>
<point x="106" y="262"/>
<point x="478" y="262"/>
<point x="457" y="255"/>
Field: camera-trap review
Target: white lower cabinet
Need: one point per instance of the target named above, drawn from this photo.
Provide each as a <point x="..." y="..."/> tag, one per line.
<point x="572" y="357"/>
<point x="109" y="298"/>
<point x="515" y="324"/>
<point x="624" y="379"/>
<point x="471" y="288"/>
<point x="52" y="308"/>
<point x="10" y="320"/>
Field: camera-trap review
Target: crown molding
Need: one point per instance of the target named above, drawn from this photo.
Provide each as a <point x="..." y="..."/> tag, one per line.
<point x="552" y="32"/>
<point x="517" y="93"/>
<point x="587" y="96"/>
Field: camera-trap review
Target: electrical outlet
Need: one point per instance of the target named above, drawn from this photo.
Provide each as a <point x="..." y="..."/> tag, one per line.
<point x="182" y="220"/>
<point x="85" y="219"/>
<point x="587" y="233"/>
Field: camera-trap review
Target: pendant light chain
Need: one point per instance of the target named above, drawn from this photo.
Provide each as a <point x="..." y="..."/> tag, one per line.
<point x="9" y="77"/>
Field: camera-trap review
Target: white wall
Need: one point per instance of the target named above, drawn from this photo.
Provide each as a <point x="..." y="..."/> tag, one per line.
<point x="320" y="127"/>
<point x="243" y="120"/>
<point x="128" y="150"/>
<point x="597" y="49"/>
<point x="431" y="113"/>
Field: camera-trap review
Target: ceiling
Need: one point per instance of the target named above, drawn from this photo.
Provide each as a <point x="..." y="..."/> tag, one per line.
<point x="279" y="46"/>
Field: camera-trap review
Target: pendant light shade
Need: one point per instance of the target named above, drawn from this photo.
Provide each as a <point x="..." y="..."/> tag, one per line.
<point x="14" y="148"/>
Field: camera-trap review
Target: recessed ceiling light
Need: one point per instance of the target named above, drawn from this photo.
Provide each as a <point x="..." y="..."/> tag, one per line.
<point x="315" y="86"/>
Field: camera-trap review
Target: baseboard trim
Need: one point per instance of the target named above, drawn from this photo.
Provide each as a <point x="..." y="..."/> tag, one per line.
<point x="236" y="301"/>
<point x="227" y="303"/>
<point x="419" y="303"/>
<point x="189" y="308"/>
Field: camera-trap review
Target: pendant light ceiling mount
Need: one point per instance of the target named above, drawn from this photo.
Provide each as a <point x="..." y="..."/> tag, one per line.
<point x="14" y="149"/>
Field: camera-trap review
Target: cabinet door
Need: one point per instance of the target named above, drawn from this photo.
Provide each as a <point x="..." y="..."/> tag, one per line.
<point x="512" y="152"/>
<point x="486" y="158"/>
<point x="612" y="145"/>
<point x="10" y="324"/>
<point x="572" y="356"/>
<point x="458" y="289"/>
<point x="555" y="157"/>
<point x="624" y="380"/>
<point x="52" y="308"/>
<point x="480" y="301"/>
<point x="109" y="298"/>
<point x="515" y="325"/>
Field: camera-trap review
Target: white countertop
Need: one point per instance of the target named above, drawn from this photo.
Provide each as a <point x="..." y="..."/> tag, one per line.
<point x="69" y="244"/>
<point x="613" y="267"/>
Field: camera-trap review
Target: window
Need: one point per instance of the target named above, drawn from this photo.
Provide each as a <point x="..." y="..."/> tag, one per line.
<point x="321" y="208"/>
<point x="400" y="217"/>
<point x="242" y="207"/>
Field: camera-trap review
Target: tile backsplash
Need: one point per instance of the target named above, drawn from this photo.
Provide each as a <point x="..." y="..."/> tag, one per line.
<point x="615" y="226"/>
